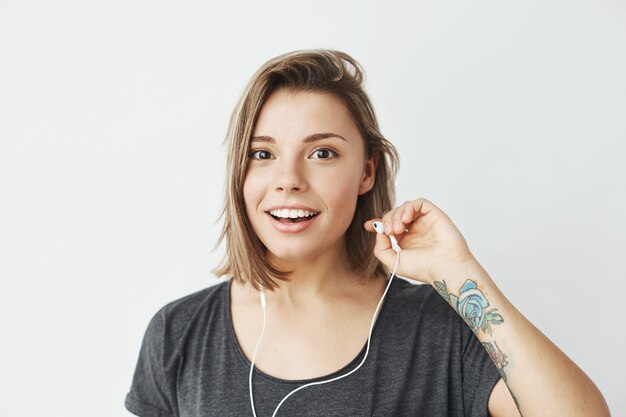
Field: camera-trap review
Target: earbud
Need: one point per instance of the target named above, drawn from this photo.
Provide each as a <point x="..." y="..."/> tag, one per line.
<point x="380" y="229"/>
<point x="378" y="226"/>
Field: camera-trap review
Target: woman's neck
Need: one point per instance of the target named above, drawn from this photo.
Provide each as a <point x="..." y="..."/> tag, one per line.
<point x="323" y="278"/>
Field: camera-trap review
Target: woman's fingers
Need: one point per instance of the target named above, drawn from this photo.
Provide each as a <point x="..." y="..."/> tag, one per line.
<point x="396" y="219"/>
<point x="369" y="225"/>
<point x="402" y="216"/>
<point x="407" y="214"/>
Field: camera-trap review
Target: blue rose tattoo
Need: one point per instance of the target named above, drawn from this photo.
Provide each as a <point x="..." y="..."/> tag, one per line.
<point x="470" y="305"/>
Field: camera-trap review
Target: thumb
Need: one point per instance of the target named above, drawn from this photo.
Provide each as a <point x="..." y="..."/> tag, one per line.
<point x="383" y="250"/>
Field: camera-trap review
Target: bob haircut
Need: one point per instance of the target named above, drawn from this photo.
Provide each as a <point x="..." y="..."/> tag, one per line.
<point x="316" y="70"/>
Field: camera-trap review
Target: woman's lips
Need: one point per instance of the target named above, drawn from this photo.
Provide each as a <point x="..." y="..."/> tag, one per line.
<point x="292" y="227"/>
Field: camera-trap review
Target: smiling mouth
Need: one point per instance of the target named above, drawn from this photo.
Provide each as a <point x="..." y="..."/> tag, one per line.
<point x="292" y="220"/>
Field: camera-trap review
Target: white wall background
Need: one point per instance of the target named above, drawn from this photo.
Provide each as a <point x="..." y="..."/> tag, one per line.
<point x="510" y="116"/>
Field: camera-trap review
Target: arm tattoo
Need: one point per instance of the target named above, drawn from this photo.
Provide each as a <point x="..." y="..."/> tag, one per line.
<point x="497" y="356"/>
<point x="471" y="304"/>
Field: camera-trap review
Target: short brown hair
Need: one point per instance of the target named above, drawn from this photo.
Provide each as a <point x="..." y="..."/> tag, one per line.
<point x="319" y="70"/>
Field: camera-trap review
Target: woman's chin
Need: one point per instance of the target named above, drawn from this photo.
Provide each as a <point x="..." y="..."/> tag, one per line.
<point x="290" y="255"/>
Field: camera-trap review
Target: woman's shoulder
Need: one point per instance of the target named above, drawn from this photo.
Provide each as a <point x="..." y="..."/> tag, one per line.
<point x="176" y="317"/>
<point x="181" y="310"/>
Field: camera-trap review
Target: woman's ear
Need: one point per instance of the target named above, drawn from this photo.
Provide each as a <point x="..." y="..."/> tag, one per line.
<point x="369" y="174"/>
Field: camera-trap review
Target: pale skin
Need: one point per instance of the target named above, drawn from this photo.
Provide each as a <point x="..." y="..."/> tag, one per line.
<point x="326" y="319"/>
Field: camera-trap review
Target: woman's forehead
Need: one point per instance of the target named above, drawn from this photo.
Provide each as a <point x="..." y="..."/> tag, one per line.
<point x="296" y="115"/>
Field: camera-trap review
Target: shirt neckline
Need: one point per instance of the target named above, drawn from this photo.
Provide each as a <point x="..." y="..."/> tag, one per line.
<point x="260" y="373"/>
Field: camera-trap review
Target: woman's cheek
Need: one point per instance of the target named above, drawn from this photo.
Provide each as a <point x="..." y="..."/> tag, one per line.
<point x="341" y="195"/>
<point x="252" y="195"/>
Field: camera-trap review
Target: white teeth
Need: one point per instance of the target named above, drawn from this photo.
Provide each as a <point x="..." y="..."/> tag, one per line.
<point x="292" y="214"/>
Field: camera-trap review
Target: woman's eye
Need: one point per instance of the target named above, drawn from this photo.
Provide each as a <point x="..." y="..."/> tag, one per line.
<point x="324" y="153"/>
<point x="262" y="154"/>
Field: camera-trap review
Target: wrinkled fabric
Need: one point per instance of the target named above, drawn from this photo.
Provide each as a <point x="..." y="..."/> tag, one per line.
<point x="423" y="360"/>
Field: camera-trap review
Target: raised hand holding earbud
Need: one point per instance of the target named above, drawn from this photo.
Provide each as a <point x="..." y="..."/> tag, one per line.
<point x="428" y="238"/>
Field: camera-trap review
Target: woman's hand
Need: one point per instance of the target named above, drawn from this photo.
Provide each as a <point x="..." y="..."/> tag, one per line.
<point x="429" y="240"/>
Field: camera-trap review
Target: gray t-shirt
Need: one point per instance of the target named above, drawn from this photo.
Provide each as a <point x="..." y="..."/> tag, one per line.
<point x="424" y="360"/>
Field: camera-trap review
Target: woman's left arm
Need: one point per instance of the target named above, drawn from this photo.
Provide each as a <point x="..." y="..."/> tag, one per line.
<point x="541" y="380"/>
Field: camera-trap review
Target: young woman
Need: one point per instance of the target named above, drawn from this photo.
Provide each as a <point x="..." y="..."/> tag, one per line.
<point x="308" y="174"/>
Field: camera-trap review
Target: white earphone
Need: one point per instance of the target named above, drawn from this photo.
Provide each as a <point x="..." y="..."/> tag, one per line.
<point x="380" y="229"/>
<point x="378" y="226"/>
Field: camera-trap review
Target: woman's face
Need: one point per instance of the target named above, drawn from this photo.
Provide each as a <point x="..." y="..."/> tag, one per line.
<point x="306" y="154"/>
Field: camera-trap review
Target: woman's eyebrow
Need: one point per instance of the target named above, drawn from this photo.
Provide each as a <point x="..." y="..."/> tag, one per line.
<point x="310" y="138"/>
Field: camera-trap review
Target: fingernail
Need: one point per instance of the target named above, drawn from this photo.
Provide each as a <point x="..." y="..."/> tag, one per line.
<point x="387" y="227"/>
<point x="396" y="225"/>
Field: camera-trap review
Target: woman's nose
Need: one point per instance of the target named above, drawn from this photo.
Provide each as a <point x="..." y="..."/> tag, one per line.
<point x="290" y="177"/>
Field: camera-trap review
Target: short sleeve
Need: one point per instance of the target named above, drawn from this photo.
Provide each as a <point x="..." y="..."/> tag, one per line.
<point x="152" y="394"/>
<point x="480" y="374"/>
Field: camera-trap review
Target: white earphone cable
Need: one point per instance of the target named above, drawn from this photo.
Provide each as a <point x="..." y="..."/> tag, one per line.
<point x="255" y="349"/>
<point x="262" y="295"/>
